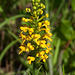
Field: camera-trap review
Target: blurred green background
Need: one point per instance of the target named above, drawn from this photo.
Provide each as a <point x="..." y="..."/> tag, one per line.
<point x="62" y="18"/>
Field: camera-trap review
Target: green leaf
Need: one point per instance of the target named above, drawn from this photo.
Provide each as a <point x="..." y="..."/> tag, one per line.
<point x="6" y="49"/>
<point x="67" y="30"/>
<point x="56" y="52"/>
<point x="73" y="4"/>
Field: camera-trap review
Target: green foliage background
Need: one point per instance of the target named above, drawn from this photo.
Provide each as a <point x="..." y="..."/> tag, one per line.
<point x="62" y="18"/>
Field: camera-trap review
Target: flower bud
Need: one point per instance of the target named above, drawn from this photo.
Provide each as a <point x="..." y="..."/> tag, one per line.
<point x="34" y="7"/>
<point x="42" y="5"/>
<point x="39" y="24"/>
<point x="38" y="1"/>
<point x="34" y="12"/>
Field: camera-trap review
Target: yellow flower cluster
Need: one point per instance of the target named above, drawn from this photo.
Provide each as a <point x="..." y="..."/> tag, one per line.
<point x="36" y="45"/>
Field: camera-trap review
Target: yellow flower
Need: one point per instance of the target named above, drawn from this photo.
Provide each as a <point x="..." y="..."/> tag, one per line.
<point x="28" y="38"/>
<point x="50" y="34"/>
<point x="23" y="19"/>
<point x="48" y="50"/>
<point x="47" y="37"/>
<point x="27" y="49"/>
<point x="39" y="24"/>
<point x="30" y="59"/>
<point x="44" y="58"/>
<point x="26" y="20"/>
<point x="35" y="37"/>
<point x="41" y="43"/>
<point x="30" y="46"/>
<point x="42" y="5"/>
<point x="47" y="15"/>
<point x="31" y="30"/>
<point x="37" y="55"/>
<point x="40" y="54"/>
<point x="41" y="12"/>
<point x="24" y="28"/>
<point x="47" y="22"/>
<point x="23" y="36"/>
<point x="28" y="10"/>
<point x="22" y="49"/>
<point x="48" y="44"/>
<point x="47" y="30"/>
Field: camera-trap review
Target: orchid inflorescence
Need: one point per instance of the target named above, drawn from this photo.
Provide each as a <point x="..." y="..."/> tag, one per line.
<point x="36" y="34"/>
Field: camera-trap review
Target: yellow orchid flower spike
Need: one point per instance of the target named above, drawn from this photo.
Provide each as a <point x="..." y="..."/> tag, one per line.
<point x="34" y="42"/>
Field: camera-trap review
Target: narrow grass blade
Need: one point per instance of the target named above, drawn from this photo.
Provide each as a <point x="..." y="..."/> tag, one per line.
<point x="14" y="36"/>
<point x="56" y="52"/>
<point x="11" y="18"/>
<point x="58" y="11"/>
<point x="6" y="49"/>
<point x="38" y="70"/>
<point x="63" y="70"/>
